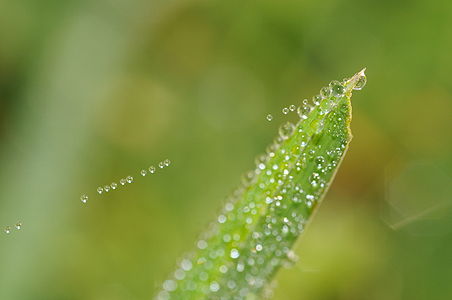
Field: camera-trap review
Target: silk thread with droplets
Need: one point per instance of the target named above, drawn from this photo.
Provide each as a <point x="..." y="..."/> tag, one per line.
<point x="126" y="180"/>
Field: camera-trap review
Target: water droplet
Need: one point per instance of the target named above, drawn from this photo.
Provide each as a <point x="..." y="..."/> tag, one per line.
<point x="186" y="265"/>
<point x="107" y="188"/>
<point x="100" y="190"/>
<point x="169" y="285"/>
<point x="179" y="274"/>
<point x="18" y="225"/>
<point x="226" y="238"/>
<point x="292" y="107"/>
<point x="303" y="111"/>
<point x="285" y="110"/>
<point x="316" y="100"/>
<point x="269" y="117"/>
<point x="7" y="230"/>
<point x="202" y="244"/>
<point x="314" y="179"/>
<point x="320" y="160"/>
<point x="152" y="169"/>
<point x="337" y="88"/>
<point x="229" y="206"/>
<point x="325" y="92"/>
<point x="214" y="286"/>
<point x="362" y="80"/>
<point x="258" y="247"/>
<point x="129" y="179"/>
<point x="161" y="165"/>
<point x="84" y="198"/>
<point x="113" y="185"/>
<point x="286" y="129"/>
<point x="143" y="172"/>
<point x="235" y="253"/>
<point x="167" y="162"/>
<point x="122" y="181"/>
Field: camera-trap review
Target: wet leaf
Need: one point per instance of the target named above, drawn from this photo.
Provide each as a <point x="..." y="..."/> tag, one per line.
<point x="253" y="236"/>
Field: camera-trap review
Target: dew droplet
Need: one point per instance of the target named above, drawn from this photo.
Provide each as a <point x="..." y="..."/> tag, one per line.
<point x="123" y="181"/>
<point x="325" y="92"/>
<point x="361" y="82"/>
<point x="202" y="244"/>
<point x="269" y="117"/>
<point x="285" y="110"/>
<point x="100" y="190"/>
<point x="169" y="285"/>
<point x="179" y="274"/>
<point x="221" y="219"/>
<point x="167" y="162"/>
<point x="316" y="100"/>
<point x="286" y="129"/>
<point x="114" y="185"/>
<point x="107" y="188"/>
<point x="186" y="265"/>
<point x="129" y="179"/>
<point x="292" y="107"/>
<point x="151" y="169"/>
<point x="314" y="179"/>
<point x="84" y="198"/>
<point x="7" y="229"/>
<point x="303" y="111"/>
<point x="143" y="172"/>
<point x="214" y="286"/>
<point x="337" y="88"/>
<point x="235" y="253"/>
<point x="161" y="165"/>
<point x="18" y="225"/>
<point x="320" y="160"/>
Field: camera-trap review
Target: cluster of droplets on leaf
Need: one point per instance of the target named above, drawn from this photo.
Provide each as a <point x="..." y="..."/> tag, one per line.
<point x="254" y="233"/>
<point x="126" y="180"/>
<point x="9" y="229"/>
<point x="333" y="91"/>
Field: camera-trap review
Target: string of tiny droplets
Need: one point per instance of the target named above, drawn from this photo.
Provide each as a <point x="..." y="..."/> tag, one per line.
<point x="127" y="180"/>
<point x="8" y="229"/>
<point x="293" y="224"/>
<point x="335" y="87"/>
<point x="113" y="186"/>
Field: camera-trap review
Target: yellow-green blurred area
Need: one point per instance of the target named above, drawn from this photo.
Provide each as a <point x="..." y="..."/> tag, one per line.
<point x="93" y="91"/>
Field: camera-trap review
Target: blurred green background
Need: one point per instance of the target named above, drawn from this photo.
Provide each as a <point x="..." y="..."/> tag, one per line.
<point x="93" y="91"/>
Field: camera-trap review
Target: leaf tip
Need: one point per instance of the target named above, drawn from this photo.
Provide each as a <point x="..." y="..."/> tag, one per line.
<point x="356" y="82"/>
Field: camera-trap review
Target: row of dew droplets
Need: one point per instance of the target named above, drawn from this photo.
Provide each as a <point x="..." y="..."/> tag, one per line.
<point x="254" y="233"/>
<point x="17" y="226"/>
<point x="127" y="180"/>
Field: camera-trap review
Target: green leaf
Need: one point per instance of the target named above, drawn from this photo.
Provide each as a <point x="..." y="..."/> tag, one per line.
<point x="252" y="238"/>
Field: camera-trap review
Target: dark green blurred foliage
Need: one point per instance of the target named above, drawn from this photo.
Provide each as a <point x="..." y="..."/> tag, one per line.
<point x="91" y="91"/>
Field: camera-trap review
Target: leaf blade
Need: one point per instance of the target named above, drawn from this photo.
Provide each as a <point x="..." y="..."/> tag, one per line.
<point x="253" y="236"/>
